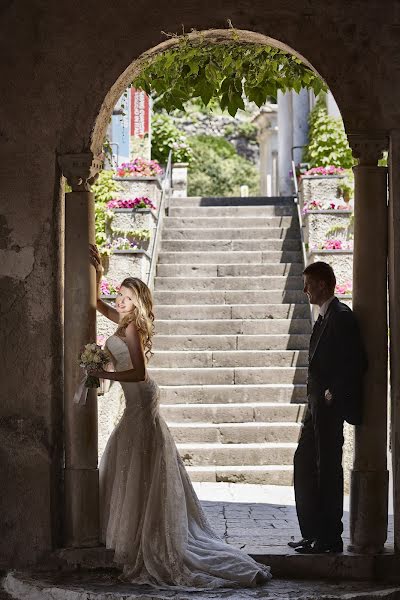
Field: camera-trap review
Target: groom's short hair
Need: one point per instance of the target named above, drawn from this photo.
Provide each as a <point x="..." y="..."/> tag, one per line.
<point x="321" y="271"/>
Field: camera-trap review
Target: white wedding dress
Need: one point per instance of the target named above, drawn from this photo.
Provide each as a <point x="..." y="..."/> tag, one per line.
<point x="150" y="514"/>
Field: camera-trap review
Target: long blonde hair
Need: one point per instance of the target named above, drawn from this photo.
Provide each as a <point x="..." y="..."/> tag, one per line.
<point x="141" y="314"/>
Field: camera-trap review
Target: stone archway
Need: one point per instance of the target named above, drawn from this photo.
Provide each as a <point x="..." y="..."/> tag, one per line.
<point x="370" y="476"/>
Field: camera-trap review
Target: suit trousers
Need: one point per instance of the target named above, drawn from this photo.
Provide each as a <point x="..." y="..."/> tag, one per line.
<point x="318" y="472"/>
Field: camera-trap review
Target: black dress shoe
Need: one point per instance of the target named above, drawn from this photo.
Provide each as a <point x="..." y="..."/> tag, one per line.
<point x="303" y="543"/>
<point x="320" y="547"/>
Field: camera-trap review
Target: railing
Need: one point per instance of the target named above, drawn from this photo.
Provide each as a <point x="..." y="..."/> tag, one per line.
<point x="300" y="217"/>
<point x="162" y="211"/>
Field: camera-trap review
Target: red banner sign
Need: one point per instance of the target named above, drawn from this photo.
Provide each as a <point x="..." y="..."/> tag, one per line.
<point x="140" y="113"/>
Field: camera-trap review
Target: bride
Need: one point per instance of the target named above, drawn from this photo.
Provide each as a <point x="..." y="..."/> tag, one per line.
<point x="150" y="514"/>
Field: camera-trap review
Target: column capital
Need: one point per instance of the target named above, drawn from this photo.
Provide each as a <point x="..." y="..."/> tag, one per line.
<point x="80" y="170"/>
<point x="368" y="146"/>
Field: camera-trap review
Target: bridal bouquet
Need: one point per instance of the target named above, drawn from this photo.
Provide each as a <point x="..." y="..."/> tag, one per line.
<point x="92" y="358"/>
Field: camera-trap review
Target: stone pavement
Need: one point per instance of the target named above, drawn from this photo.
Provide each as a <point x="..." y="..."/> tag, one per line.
<point x="83" y="585"/>
<point x="260" y="519"/>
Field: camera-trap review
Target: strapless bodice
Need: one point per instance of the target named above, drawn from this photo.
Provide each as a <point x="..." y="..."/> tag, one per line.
<point x="142" y="394"/>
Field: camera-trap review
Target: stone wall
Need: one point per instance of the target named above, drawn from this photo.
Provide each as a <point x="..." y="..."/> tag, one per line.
<point x="65" y="54"/>
<point x="318" y="226"/>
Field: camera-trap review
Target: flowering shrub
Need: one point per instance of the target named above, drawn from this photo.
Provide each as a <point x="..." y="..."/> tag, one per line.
<point x="139" y="167"/>
<point x="141" y="202"/>
<point x="321" y="171"/>
<point x="122" y="243"/>
<point x="344" y="288"/>
<point x="327" y="205"/>
<point x="107" y="288"/>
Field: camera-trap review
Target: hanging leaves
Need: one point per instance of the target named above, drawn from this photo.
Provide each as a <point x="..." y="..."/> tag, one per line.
<point x="225" y="72"/>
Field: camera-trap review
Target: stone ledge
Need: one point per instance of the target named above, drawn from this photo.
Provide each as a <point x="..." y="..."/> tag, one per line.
<point x="155" y="180"/>
<point x="133" y="210"/>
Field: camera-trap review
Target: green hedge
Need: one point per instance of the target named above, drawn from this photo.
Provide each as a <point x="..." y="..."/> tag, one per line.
<point x="217" y="170"/>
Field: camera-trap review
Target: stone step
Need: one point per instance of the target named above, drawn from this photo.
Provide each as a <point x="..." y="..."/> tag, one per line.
<point x="234" y="326"/>
<point x="245" y="412"/>
<point x="256" y="474"/>
<point x="275" y="393"/>
<point x="278" y="203"/>
<point x="229" y="283"/>
<point x="223" y="233"/>
<point x="240" y="270"/>
<point x="234" y="433"/>
<point x="229" y="245"/>
<point x="229" y="222"/>
<point x="228" y="211"/>
<point x="233" y="311"/>
<point x="230" y="257"/>
<point x="198" y="454"/>
<point x="232" y="342"/>
<point x="228" y="376"/>
<point x="230" y="297"/>
<point x="230" y="358"/>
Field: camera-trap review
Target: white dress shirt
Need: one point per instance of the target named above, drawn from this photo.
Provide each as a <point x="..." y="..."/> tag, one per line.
<point x="323" y="309"/>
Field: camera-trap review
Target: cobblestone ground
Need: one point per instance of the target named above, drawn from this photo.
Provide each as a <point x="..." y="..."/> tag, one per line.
<point x="259" y="519"/>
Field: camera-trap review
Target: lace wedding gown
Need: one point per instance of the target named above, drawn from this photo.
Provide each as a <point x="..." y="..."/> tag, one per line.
<point x="150" y="514"/>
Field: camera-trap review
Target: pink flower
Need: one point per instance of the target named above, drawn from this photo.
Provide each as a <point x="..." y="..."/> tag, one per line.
<point x="344" y="288"/>
<point x="321" y="171"/>
<point x="139" y="167"/>
<point x="142" y="202"/>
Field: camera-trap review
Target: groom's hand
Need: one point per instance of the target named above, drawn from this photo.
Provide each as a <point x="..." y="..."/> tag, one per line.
<point x="328" y="397"/>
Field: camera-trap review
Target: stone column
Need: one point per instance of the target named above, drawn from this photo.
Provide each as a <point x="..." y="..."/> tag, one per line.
<point x="394" y="320"/>
<point x="301" y="109"/>
<point x="285" y="142"/>
<point x="369" y="477"/>
<point x="80" y="422"/>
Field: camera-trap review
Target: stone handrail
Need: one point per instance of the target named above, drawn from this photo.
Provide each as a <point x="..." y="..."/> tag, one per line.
<point x="164" y="204"/>
<point x="300" y="217"/>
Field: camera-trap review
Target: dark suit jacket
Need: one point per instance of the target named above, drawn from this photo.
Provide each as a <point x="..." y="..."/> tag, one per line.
<point x="337" y="362"/>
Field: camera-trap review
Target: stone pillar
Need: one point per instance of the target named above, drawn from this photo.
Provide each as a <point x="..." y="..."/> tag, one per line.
<point x="301" y="109"/>
<point x="394" y="320"/>
<point x="285" y="142"/>
<point x="369" y="477"/>
<point x="80" y="422"/>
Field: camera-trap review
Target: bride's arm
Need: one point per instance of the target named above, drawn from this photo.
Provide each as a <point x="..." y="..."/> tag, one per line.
<point x="136" y="352"/>
<point x="104" y="308"/>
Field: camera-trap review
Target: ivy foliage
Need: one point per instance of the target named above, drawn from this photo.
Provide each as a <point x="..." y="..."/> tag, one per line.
<point x="328" y="143"/>
<point x="217" y="170"/>
<point x="225" y="72"/>
<point x="165" y="137"/>
<point x="104" y="190"/>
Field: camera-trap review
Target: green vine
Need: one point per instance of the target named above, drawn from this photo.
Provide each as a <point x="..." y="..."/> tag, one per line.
<point x="328" y="143"/>
<point x="225" y="72"/>
<point x="104" y="190"/>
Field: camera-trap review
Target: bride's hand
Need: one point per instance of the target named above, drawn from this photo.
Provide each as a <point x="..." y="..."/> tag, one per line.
<point x="95" y="260"/>
<point x="99" y="373"/>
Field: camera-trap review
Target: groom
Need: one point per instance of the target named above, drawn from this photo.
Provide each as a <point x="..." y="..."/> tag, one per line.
<point x="334" y="390"/>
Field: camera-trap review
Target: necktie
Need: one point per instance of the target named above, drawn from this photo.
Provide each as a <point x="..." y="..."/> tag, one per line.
<point x="317" y="322"/>
<point x="314" y="335"/>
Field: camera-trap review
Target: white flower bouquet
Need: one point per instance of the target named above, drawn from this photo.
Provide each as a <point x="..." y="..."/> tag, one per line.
<point x="92" y="358"/>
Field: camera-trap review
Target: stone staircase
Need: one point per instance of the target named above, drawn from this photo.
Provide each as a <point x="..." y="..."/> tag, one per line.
<point x="232" y="332"/>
